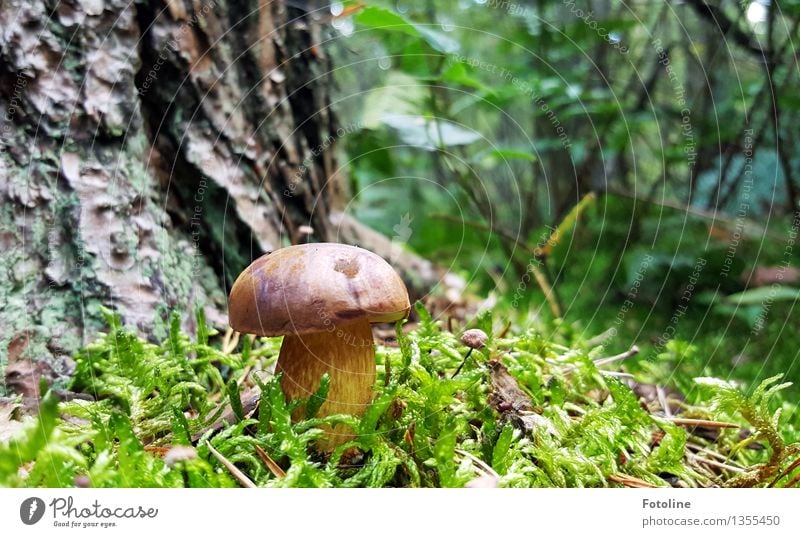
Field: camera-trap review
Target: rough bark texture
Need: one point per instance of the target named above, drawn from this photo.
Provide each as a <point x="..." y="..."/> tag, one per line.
<point x="149" y="151"/>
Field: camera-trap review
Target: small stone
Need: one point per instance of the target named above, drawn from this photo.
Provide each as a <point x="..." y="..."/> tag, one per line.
<point x="483" y="482"/>
<point x="179" y="454"/>
<point x="474" y="338"/>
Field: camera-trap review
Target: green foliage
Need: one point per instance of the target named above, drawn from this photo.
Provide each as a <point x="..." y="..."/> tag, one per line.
<point x="477" y="113"/>
<point x="319" y="397"/>
<point x="158" y="409"/>
<point x="761" y="411"/>
<point x="147" y="381"/>
<point x="478" y="117"/>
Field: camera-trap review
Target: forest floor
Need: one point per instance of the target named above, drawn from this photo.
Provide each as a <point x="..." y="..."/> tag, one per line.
<point x="524" y="410"/>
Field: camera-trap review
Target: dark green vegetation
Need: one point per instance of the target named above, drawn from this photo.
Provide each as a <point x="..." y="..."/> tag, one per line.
<point x="551" y="419"/>
<point x="484" y="123"/>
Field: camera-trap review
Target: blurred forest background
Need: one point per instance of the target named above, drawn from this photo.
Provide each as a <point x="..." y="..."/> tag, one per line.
<point x="656" y="137"/>
<point x="618" y="172"/>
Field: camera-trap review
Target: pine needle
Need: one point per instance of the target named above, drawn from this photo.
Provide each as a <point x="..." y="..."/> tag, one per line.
<point x="791" y="468"/>
<point x="630" y="481"/>
<point x="485" y="468"/>
<point x="711" y="424"/>
<point x="235" y="472"/>
<point x="271" y="464"/>
<point x="709" y="462"/>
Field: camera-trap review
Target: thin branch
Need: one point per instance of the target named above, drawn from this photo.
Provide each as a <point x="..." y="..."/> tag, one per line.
<point x="709" y="462"/>
<point x="690" y="422"/>
<point x="478" y="462"/>
<point x="235" y="472"/>
<point x="270" y="463"/>
<point x="630" y="481"/>
<point x="756" y="230"/>
<point x="710" y="453"/>
<point x="757" y="99"/>
<point x="792" y="467"/>
<point x="728" y="28"/>
<point x="633" y="351"/>
<point x="541" y="279"/>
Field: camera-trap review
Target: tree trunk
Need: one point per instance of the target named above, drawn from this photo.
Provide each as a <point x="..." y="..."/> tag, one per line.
<point x="150" y="150"/>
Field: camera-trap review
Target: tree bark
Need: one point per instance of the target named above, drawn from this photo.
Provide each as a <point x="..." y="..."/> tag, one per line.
<point x="150" y="150"/>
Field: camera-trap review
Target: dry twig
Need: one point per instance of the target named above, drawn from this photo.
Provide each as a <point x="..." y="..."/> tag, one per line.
<point x="691" y="422"/>
<point x="235" y="472"/>
<point x="630" y="481"/>
<point x="270" y="463"/>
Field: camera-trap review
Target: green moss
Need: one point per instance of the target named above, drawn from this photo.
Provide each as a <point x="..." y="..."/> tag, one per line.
<point x="137" y="174"/>
<point x="426" y="426"/>
<point x="176" y="263"/>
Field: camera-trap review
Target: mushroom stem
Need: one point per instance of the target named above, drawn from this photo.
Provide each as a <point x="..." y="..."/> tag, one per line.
<point x="346" y="353"/>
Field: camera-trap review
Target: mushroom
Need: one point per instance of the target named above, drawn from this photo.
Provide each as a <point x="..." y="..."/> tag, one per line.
<point x="474" y="338"/>
<point x="322" y="298"/>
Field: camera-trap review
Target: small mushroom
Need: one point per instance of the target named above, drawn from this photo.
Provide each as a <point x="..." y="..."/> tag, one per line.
<point x="474" y="338"/>
<point x="322" y="298"/>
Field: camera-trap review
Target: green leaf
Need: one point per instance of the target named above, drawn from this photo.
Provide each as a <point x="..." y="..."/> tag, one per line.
<point x="235" y="399"/>
<point x="501" y="448"/>
<point x="457" y="73"/>
<point x="444" y="453"/>
<point x="715" y="383"/>
<point x="761" y="295"/>
<point x="379" y="18"/>
<point x="430" y="134"/>
<point x="202" y="327"/>
<point x="376" y="409"/>
<point x="495" y="157"/>
<point x="180" y="428"/>
<point x="318" y="397"/>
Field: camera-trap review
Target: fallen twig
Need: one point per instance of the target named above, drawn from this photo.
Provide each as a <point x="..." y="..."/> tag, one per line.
<point x="630" y="481"/>
<point x="795" y="481"/>
<point x="662" y="400"/>
<point x="710" y="453"/>
<point x="229" y="343"/>
<point x="235" y="472"/>
<point x="791" y="468"/>
<point x="617" y="374"/>
<point x="717" y="464"/>
<point x="271" y="464"/>
<point x="690" y="422"/>
<point x="600" y="338"/>
<point x="488" y="470"/>
<point x="504" y="331"/>
<point x="633" y="351"/>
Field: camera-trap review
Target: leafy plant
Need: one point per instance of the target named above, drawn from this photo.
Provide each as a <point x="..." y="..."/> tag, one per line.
<point x="181" y="414"/>
<point x="756" y="409"/>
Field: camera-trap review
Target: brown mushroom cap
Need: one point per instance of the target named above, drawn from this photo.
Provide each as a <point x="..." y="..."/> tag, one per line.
<point x="474" y="338"/>
<point x="313" y="288"/>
